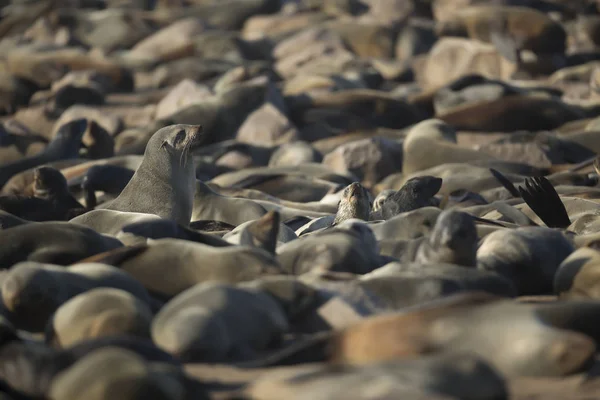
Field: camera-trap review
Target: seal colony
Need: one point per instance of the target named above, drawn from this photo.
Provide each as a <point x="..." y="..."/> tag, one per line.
<point x="299" y="199"/>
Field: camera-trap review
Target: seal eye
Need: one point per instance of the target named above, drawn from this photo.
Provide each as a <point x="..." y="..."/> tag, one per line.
<point x="179" y="138"/>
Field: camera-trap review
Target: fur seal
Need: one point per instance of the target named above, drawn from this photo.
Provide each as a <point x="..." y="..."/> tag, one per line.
<point x="209" y="205"/>
<point x="528" y="256"/>
<point x="433" y="142"/>
<point x="118" y="371"/>
<point x="355" y="203"/>
<point x="468" y="279"/>
<point x="262" y="233"/>
<point x="30" y="367"/>
<point x="63" y="146"/>
<point x="51" y="202"/>
<point x="529" y="29"/>
<point x="469" y="322"/>
<point x="33" y="291"/>
<point x="99" y="312"/>
<point x="453" y="241"/>
<point x="381" y="198"/>
<point x="59" y="243"/>
<point x="434" y="377"/>
<point x="576" y="277"/>
<point x="336" y="250"/>
<point x="110" y="179"/>
<point x="230" y="264"/>
<point x="416" y="193"/>
<point x="164" y="182"/>
<point x="213" y="322"/>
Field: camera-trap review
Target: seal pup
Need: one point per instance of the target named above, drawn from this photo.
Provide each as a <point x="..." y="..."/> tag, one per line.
<point x="64" y="145"/>
<point x="416" y="193"/>
<point x="355" y="203"/>
<point x="453" y="241"/>
<point x="164" y="183"/>
<point x="51" y="199"/>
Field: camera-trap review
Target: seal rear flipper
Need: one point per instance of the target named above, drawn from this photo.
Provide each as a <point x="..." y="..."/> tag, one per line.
<point x="508" y="185"/>
<point x="544" y="201"/>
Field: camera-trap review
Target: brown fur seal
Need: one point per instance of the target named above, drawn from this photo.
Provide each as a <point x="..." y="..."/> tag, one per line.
<point x="209" y="205"/>
<point x="416" y="193"/>
<point x="355" y="203"/>
<point x="453" y="241"/>
<point x="577" y="276"/>
<point x="528" y="256"/>
<point x="433" y="142"/>
<point x="469" y="322"/>
<point x="337" y="249"/>
<point x="64" y="145"/>
<point x="110" y="179"/>
<point x="230" y="264"/>
<point x="59" y="243"/>
<point x="165" y="181"/>
<point x="215" y="322"/>
<point x="454" y="375"/>
<point x="100" y="312"/>
<point x="51" y="202"/>
<point x="529" y="29"/>
<point x="33" y="291"/>
<point x="120" y="372"/>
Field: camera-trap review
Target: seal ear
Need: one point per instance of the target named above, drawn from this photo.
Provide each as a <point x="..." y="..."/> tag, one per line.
<point x="163" y="145"/>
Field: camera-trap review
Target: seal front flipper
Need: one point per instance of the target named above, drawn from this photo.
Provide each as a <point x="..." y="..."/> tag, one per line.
<point x="541" y="197"/>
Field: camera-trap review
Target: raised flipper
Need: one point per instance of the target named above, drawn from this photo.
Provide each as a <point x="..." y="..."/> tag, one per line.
<point x="505" y="182"/>
<point x="541" y="197"/>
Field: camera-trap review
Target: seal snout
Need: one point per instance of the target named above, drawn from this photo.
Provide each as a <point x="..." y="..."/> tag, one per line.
<point x="195" y="136"/>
